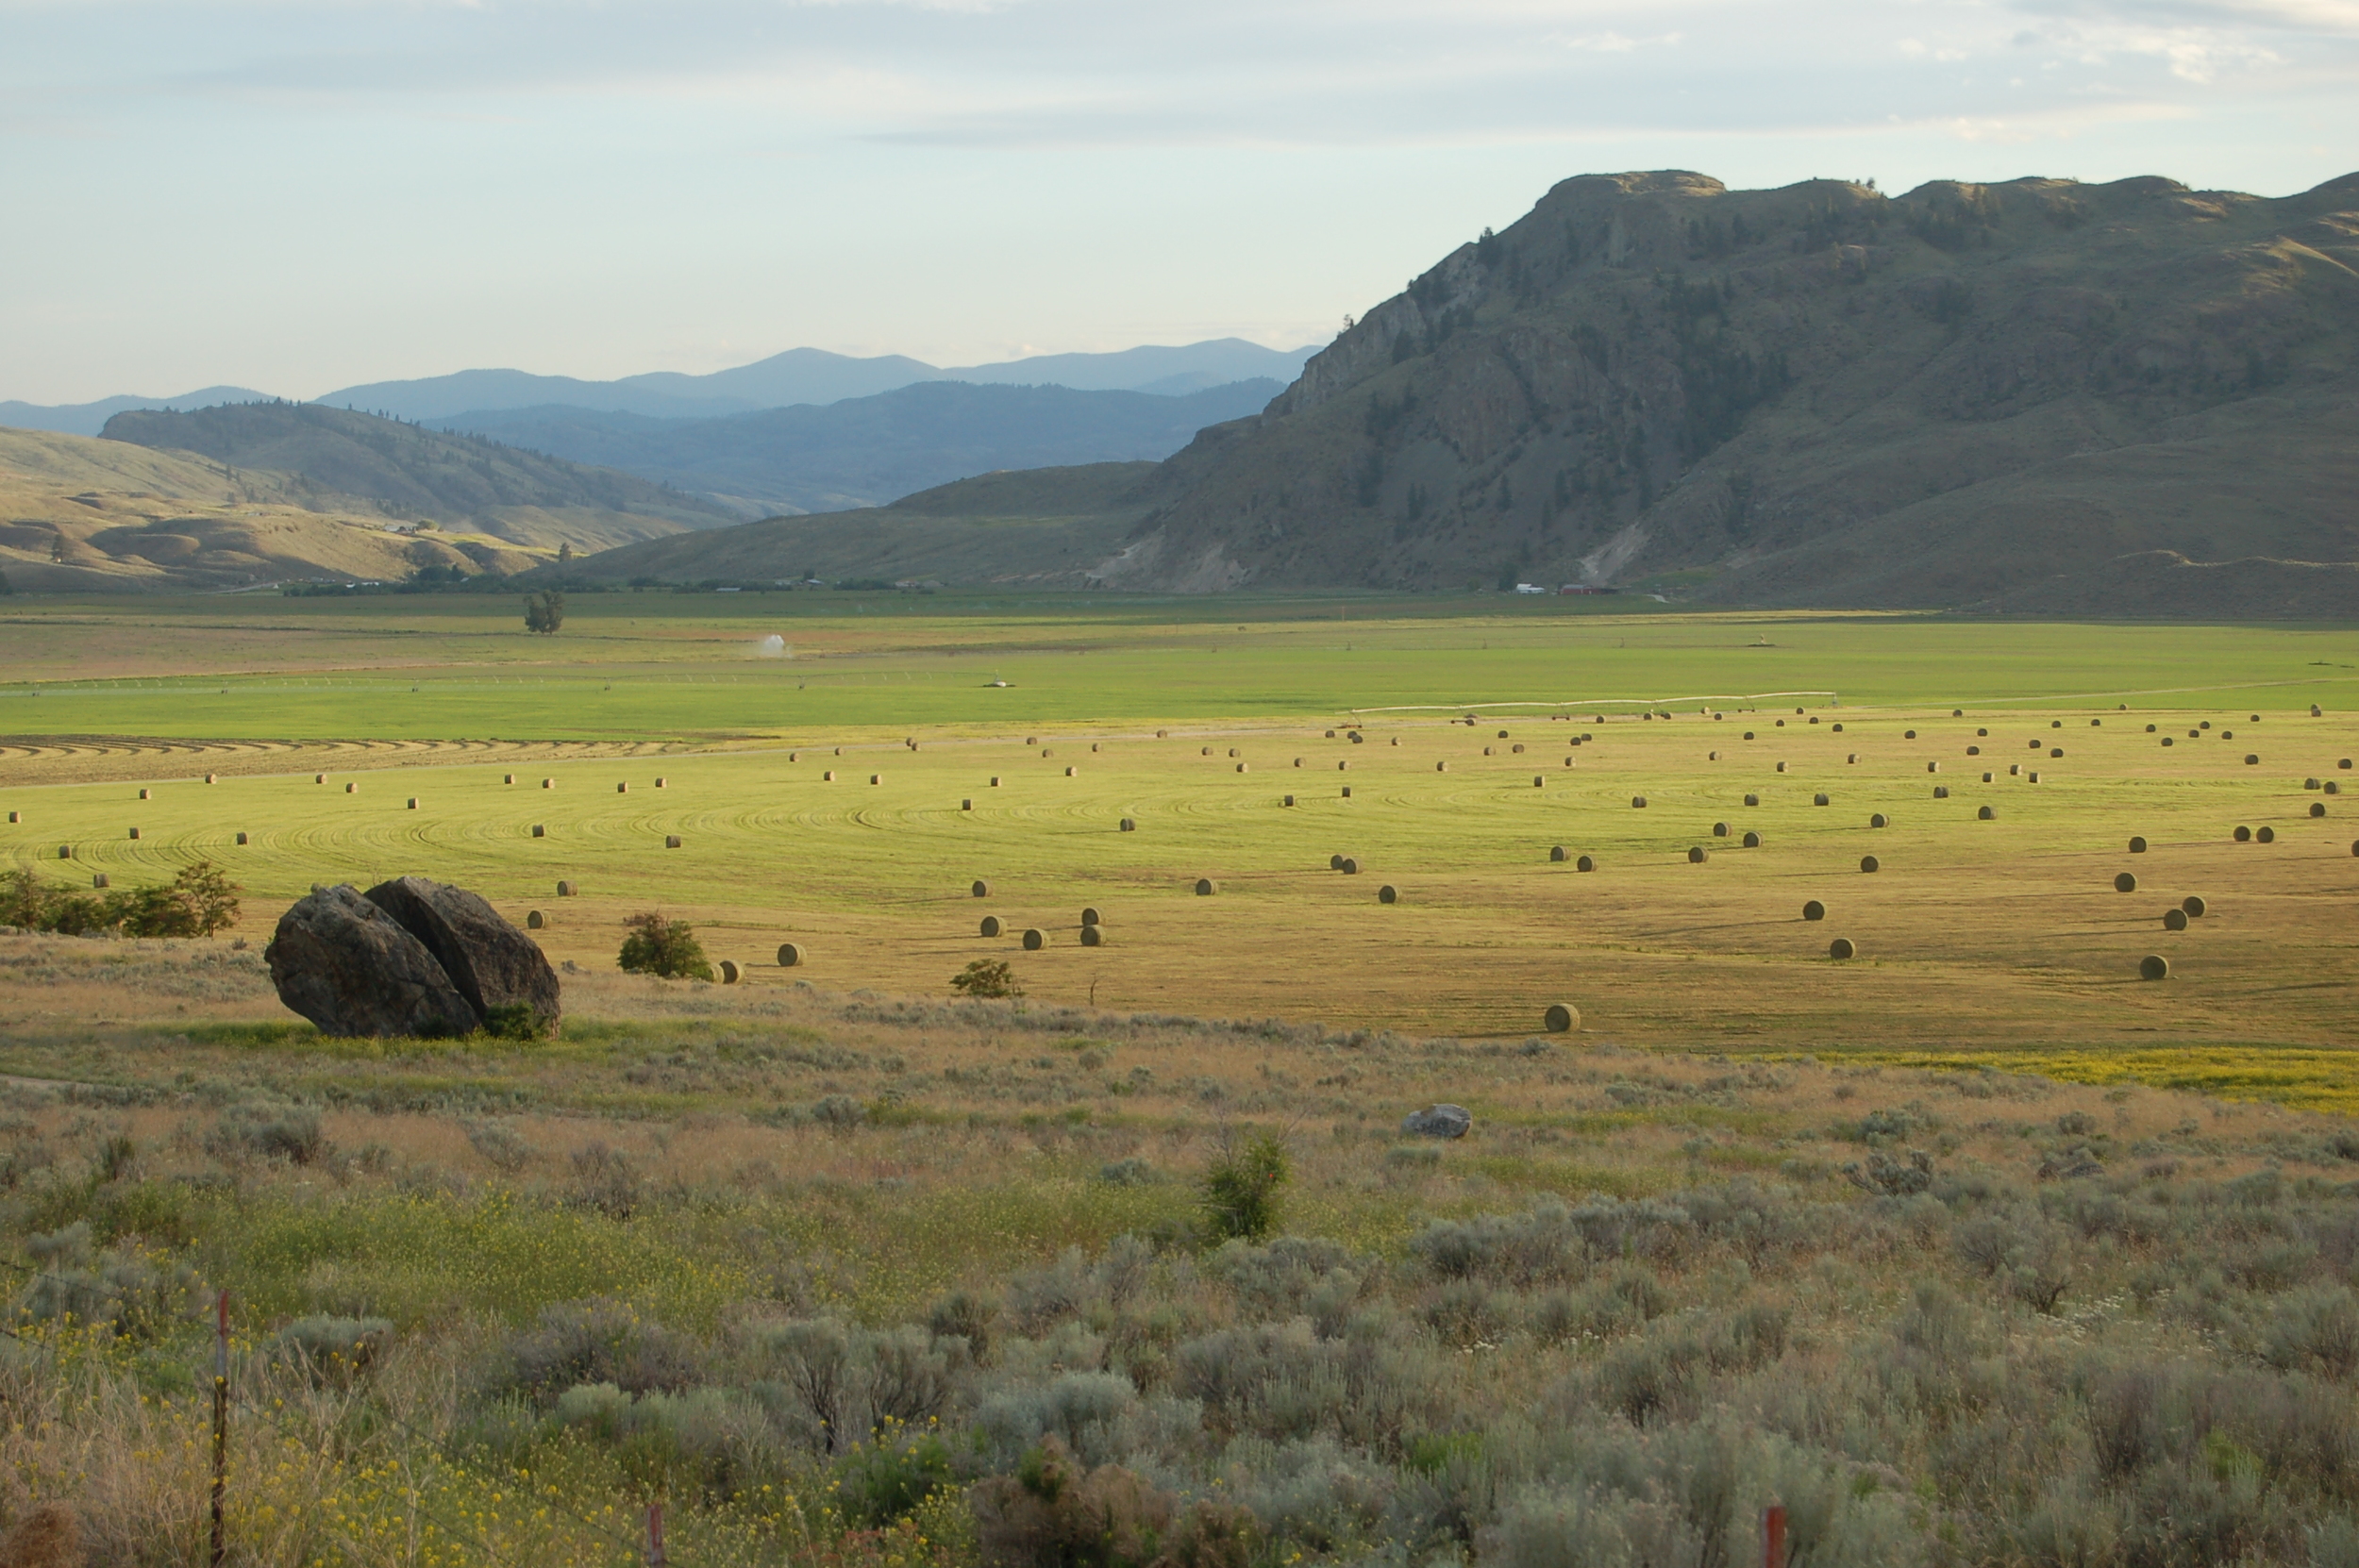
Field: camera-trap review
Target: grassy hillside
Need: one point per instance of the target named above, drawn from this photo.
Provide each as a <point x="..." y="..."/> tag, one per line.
<point x="79" y="515"/>
<point x="1815" y="395"/>
<point x="406" y="472"/>
<point x="1040" y="526"/>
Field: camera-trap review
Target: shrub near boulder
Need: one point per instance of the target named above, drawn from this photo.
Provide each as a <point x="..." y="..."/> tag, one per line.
<point x="666" y="948"/>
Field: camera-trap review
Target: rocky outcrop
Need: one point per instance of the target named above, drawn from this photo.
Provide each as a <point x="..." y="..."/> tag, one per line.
<point x="493" y="965"/>
<point x="352" y="969"/>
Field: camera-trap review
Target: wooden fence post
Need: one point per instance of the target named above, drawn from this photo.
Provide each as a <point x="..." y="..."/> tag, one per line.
<point x="654" y="1536"/>
<point x="221" y="1423"/>
<point x="1773" y="1536"/>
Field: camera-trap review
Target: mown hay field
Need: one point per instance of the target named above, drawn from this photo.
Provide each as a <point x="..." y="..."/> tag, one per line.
<point x="1979" y="941"/>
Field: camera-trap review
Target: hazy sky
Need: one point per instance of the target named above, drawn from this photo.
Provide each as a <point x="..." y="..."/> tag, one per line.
<point x="300" y="194"/>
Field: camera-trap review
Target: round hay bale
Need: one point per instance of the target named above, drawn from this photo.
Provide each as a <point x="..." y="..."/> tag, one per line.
<point x="535" y="920"/>
<point x="1974" y="751"/>
<point x="2153" y="967"/>
<point x="622" y="789"/>
<point x="1820" y="800"/>
<point x="1205" y="887"/>
<point x="1869" y="862"/>
<point x="839" y="751"/>
<point x="966" y="803"/>
<point x="828" y="777"/>
<point x="65" y="852"/>
<point x="1558" y="853"/>
<point x="1502" y="735"/>
<point x="2194" y="906"/>
<point x="1941" y="791"/>
<point x="2317" y="807"/>
<point x="1343" y="767"/>
<point x="1129" y="824"/>
<point x="2242" y="834"/>
<point x="1933" y="767"/>
<point x="1034" y="939"/>
<point x="1336" y="862"/>
<point x="1208" y="751"/>
<point x="208" y="778"/>
<point x="143" y="794"/>
<point x="1852" y="758"/>
<point x="2332" y="788"/>
<point x="1232" y="751"/>
<point x="1350" y="866"/>
<point x="2055" y="751"/>
<point x="322" y="778"/>
<point x="1396" y="739"/>
<point x="1088" y="916"/>
<point x="1092" y="936"/>
<point x="2126" y="882"/>
<point x="1987" y="813"/>
<point x="1516" y="750"/>
<point x="1842" y="948"/>
<point x="2174" y="919"/>
<point x="565" y="890"/>
<point x="990" y="926"/>
<point x="1638" y="802"/>
<point x="1347" y="792"/>
<point x="1588" y="863"/>
<point x="1749" y="735"/>
<point x="1288" y="800"/>
<point x="1069" y="773"/>
<point x="1752" y="840"/>
<point x="2317" y="712"/>
<point x="1711" y="756"/>
<point x="413" y="804"/>
<point x="1162" y="734"/>
<point x="1957" y="713"/>
<point x="135" y="832"/>
<point x="2137" y="844"/>
<point x="1441" y="767"/>
<point x="790" y="955"/>
<point x="994" y="780"/>
<point x="352" y="788"/>
<point x="1331" y="734"/>
<point x="549" y="783"/>
<point x="1297" y="761"/>
<point x="241" y="838"/>
<point x="879" y="779"/>
<point x="1879" y="820"/>
<point x="15" y="817"/>
<point x="1838" y="729"/>
<point x="2015" y="770"/>
<point x="1539" y="782"/>
<point x="2265" y="835"/>
<point x="2168" y="741"/>
<point x="540" y="830"/>
<point x="1695" y="855"/>
<point x="1983" y="733"/>
<point x="1987" y="778"/>
<point x="1752" y="800"/>
<point x="1814" y="909"/>
<point x="1782" y="767"/>
<point x="1486" y="751"/>
<point x="2344" y="764"/>
<point x="660" y="780"/>
<point x="1719" y="829"/>
<point x="729" y="971"/>
<point x="1244" y="766"/>
<point x="99" y="881"/>
<point x="670" y="841"/>
<point x="2251" y="759"/>
<point x="1908" y="735"/>
<point x="1388" y="894"/>
<point x="1562" y="1018"/>
<point x="980" y="888"/>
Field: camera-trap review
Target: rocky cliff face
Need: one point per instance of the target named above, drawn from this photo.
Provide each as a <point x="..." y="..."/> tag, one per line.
<point x="1816" y="394"/>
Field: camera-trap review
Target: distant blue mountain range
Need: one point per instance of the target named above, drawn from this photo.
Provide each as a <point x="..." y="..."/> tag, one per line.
<point x="800" y="375"/>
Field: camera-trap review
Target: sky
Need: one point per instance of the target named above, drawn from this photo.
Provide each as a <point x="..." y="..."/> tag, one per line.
<point x="297" y="195"/>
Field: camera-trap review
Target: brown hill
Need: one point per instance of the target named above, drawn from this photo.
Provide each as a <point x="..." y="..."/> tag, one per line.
<point x="406" y="472"/>
<point x="1814" y="395"/>
<point x="1040" y="526"/>
<point x="80" y="515"/>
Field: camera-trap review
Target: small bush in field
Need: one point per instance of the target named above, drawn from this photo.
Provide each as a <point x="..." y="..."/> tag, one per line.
<point x="515" y="1021"/>
<point x="1241" y="1190"/>
<point x="986" y="977"/>
<point x="605" y="1179"/>
<point x="890" y="1476"/>
<point x="667" y="948"/>
<point x="332" y="1351"/>
<point x="270" y="1132"/>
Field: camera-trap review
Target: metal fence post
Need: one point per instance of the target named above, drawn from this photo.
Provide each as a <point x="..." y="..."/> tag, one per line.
<point x="1773" y="1536"/>
<point x="654" y="1536"/>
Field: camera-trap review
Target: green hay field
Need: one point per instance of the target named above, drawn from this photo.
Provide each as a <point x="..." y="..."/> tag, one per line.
<point x="1981" y="941"/>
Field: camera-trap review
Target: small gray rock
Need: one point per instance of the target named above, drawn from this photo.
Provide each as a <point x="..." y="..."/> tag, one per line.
<point x="1440" y="1121"/>
<point x="350" y="968"/>
<point x="491" y="963"/>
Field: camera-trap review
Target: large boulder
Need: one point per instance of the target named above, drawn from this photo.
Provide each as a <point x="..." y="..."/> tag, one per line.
<point x="494" y="964"/>
<point x="350" y="968"/>
<point x="1440" y="1121"/>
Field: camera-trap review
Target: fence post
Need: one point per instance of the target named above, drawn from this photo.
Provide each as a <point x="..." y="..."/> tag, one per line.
<point x="655" y="1535"/>
<point x="1773" y="1536"/>
<point x="221" y="1422"/>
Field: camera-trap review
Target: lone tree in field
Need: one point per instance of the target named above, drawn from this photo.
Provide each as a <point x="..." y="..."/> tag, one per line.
<point x="664" y="947"/>
<point x="564" y="552"/>
<point x="987" y="977"/>
<point x="544" y="612"/>
<point x="7" y="586"/>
